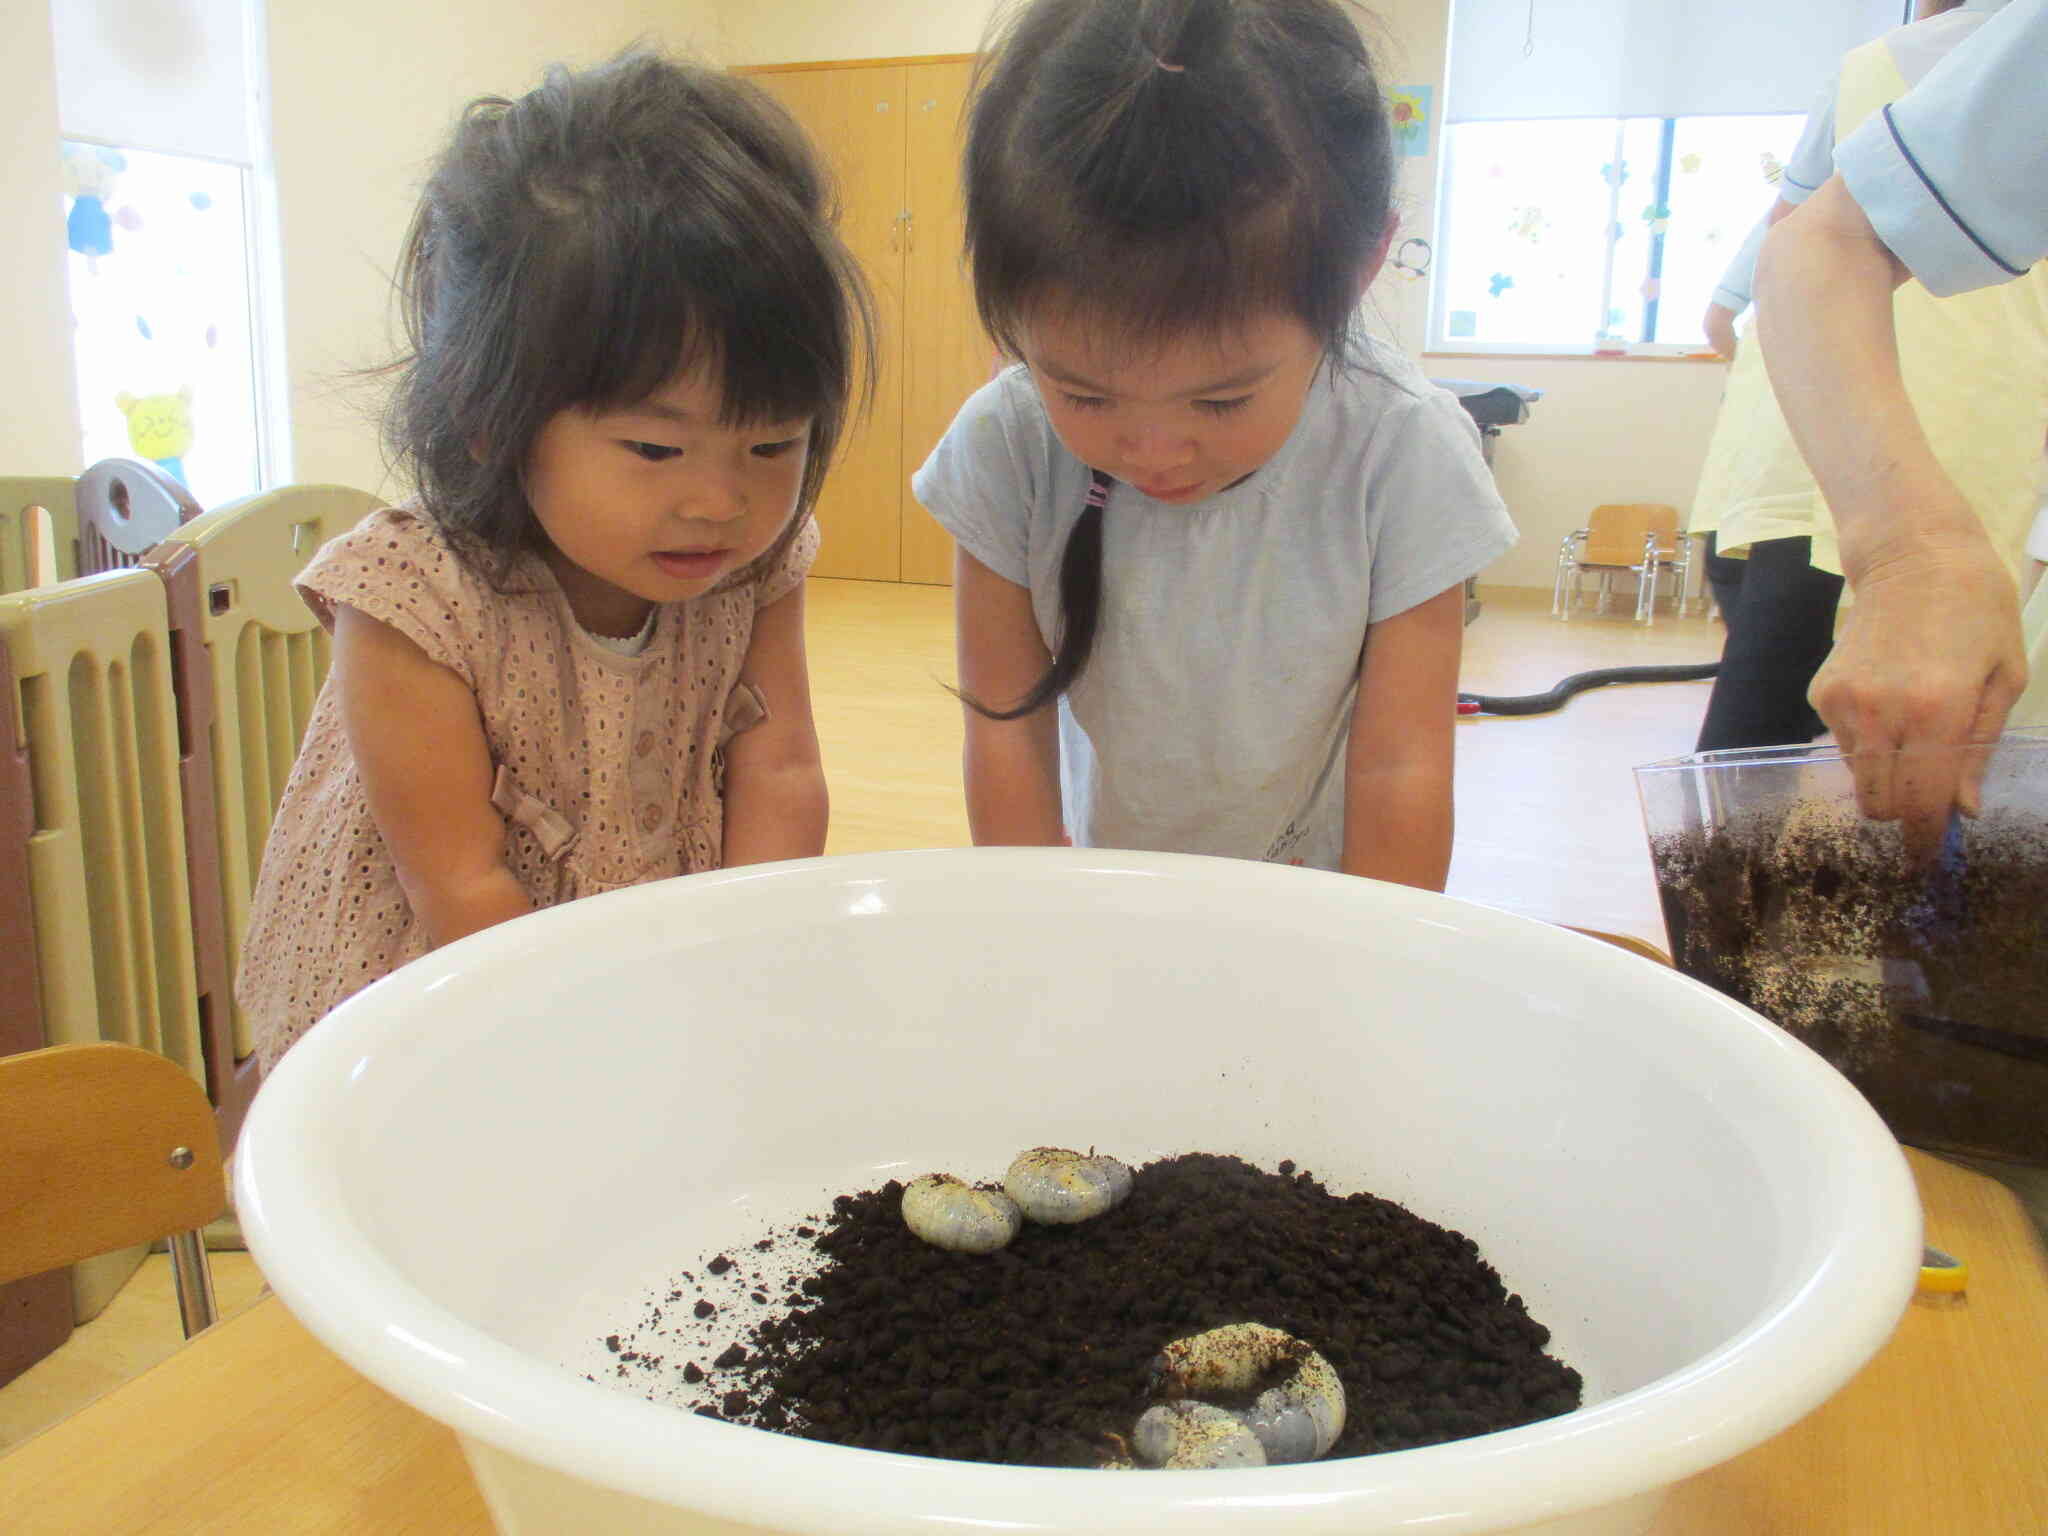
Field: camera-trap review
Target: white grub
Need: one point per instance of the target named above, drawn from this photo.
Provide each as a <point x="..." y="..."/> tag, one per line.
<point x="1057" y="1187"/>
<point x="1296" y="1418"/>
<point x="1191" y="1436"/>
<point x="949" y="1213"/>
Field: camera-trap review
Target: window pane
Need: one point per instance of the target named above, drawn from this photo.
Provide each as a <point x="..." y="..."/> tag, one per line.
<point x="1720" y="187"/>
<point x="1638" y="219"/>
<point x="159" y="280"/>
<point x="1527" y="207"/>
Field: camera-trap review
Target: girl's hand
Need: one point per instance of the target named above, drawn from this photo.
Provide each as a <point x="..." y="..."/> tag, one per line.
<point x="1012" y="767"/>
<point x="426" y="766"/>
<point x="776" y="805"/>
<point x="1397" y="779"/>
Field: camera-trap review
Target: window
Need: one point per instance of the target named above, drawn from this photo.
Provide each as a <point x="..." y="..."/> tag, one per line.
<point x="170" y="230"/>
<point x="1604" y="159"/>
<point x="160" y="306"/>
<point x="1582" y="233"/>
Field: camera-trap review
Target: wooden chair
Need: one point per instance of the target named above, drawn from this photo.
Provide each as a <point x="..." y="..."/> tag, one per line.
<point x="104" y="1147"/>
<point x="1640" y="537"/>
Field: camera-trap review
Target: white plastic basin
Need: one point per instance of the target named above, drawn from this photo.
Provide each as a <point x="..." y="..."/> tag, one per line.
<point x="461" y="1168"/>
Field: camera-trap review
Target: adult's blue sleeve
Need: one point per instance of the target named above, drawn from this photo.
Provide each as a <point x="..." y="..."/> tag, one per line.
<point x="1813" y="157"/>
<point x="1738" y="284"/>
<point x="1953" y="175"/>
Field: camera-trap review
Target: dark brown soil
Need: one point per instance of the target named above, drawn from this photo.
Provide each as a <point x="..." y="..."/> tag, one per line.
<point x="1038" y="1354"/>
<point x="1926" y="986"/>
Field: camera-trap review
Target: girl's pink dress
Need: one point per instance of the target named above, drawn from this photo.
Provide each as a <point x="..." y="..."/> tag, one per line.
<point x="609" y="767"/>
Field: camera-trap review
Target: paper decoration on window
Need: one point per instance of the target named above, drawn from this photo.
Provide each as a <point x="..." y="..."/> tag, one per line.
<point x="160" y="428"/>
<point x="1614" y="173"/>
<point x="89" y="177"/>
<point x="1657" y="216"/>
<point x="1689" y="164"/>
<point x="1774" y="168"/>
<point x="1464" y="322"/>
<point x="1409" y="107"/>
<point x="1499" y="284"/>
<point x="1652" y="287"/>
<point x="1529" y="222"/>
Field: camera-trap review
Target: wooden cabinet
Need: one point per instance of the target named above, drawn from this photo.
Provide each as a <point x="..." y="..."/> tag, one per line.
<point x="891" y="133"/>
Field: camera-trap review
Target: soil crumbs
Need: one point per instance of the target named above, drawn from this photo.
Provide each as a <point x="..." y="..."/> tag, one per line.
<point x="1926" y="985"/>
<point x="1038" y="1354"/>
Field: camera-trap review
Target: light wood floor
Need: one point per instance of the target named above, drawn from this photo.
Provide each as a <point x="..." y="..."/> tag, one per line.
<point x="1547" y="827"/>
<point x="1547" y="819"/>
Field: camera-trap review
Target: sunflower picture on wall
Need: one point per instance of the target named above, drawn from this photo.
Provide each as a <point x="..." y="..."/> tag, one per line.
<point x="1408" y="107"/>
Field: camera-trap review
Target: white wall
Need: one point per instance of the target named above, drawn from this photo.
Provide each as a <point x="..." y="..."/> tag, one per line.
<point x="1606" y="429"/>
<point x="38" y="392"/>
<point x="363" y="95"/>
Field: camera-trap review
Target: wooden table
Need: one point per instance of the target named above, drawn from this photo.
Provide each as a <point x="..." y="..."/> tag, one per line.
<point x="255" y="1427"/>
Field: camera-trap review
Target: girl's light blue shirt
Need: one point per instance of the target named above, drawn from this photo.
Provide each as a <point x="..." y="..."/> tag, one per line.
<point x="1214" y="712"/>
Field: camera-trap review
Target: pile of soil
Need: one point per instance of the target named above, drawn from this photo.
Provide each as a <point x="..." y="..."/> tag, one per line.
<point x="1038" y="1353"/>
<point x="1926" y="985"/>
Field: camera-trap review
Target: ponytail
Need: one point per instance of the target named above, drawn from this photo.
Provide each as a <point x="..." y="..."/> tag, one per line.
<point x="1080" y="609"/>
<point x="1165" y="168"/>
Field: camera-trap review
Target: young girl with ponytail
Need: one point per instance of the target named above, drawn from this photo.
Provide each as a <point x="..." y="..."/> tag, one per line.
<point x="1212" y="538"/>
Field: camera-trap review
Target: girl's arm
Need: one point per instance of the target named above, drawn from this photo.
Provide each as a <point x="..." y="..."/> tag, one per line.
<point x="419" y="745"/>
<point x="775" y="800"/>
<point x="1012" y="767"/>
<point x="1397" y="772"/>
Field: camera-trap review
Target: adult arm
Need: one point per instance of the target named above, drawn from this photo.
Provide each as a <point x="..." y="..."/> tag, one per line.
<point x="776" y="805"/>
<point x="1930" y="657"/>
<point x="426" y="766"/>
<point x="1397" y="769"/>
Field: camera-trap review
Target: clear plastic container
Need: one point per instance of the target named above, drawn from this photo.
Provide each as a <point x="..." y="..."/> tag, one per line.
<point x="1924" y="982"/>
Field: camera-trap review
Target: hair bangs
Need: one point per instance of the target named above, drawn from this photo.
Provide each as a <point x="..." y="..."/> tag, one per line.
<point x="775" y="336"/>
<point x="1143" y="290"/>
<point x="584" y="246"/>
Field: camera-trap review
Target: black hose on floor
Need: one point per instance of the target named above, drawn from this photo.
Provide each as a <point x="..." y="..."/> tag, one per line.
<point x="1579" y="682"/>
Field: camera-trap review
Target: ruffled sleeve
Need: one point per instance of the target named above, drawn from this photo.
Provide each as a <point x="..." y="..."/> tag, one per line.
<point x="394" y="568"/>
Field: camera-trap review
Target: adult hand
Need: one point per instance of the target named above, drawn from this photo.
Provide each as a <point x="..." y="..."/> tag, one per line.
<point x="1930" y="661"/>
<point x="1719" y="324"/>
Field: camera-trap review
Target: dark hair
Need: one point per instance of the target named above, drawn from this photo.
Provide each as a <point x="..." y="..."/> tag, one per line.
<point x="1168" y="166"/>
<point x="579" y="247"/>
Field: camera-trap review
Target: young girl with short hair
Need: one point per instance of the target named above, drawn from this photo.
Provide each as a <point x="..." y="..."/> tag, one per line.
<point x="576" y="661"/>
<point x="1212" y="539"/>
